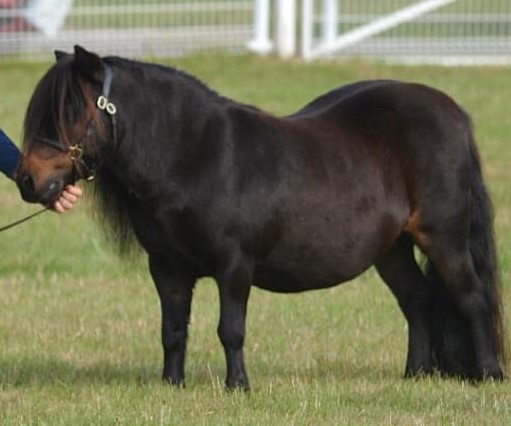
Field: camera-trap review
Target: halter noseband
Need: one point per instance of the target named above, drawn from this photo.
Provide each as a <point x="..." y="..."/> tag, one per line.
<point x="75" y="152"/>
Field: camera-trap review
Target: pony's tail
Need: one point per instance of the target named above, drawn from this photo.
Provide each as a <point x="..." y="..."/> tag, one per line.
<point x="453" y="351"/>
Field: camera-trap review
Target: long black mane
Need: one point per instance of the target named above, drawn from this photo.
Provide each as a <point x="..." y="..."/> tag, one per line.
<point x="111" y="197"/>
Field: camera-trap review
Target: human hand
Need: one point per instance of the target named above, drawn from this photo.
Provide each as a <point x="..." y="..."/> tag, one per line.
<point x="68" y="199"/>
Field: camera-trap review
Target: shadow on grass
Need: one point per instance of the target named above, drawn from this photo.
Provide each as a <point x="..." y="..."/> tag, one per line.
<point x="337" y="370"/>
<point x="49" y="372"/>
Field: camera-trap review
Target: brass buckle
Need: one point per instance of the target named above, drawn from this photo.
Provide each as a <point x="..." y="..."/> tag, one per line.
<point x="75" y="152"/>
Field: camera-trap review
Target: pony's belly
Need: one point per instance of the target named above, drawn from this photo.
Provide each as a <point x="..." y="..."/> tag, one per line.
<point x="281" y="281"/>
<point x="294" y="274"/>
<point x="319" y="259"/>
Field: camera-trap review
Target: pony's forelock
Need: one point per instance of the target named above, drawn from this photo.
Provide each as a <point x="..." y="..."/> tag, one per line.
<point x="60" y="101"/>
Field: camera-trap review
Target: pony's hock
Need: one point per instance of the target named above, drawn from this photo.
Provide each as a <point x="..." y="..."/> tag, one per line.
<point x="212" y="187"/>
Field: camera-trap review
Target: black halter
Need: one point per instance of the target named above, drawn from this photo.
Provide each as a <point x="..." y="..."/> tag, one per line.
<point x="75" y="152"/>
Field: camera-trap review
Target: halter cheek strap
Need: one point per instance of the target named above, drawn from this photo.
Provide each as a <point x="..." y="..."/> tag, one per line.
<point x="104" y="104"/>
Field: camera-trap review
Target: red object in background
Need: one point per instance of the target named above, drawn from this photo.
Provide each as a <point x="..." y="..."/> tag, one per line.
<point x="15" y="25"/>
<point x="12" y="3"/>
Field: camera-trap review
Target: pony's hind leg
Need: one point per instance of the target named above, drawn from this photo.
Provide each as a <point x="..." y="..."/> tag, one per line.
<point x="399" y="269"/>
<point x="453" y="265"/>
<point x="464" y="287"/>
<point x="451" y="221"/>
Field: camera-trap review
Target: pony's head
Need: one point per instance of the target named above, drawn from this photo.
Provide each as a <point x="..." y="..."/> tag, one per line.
<point x="65" y="128"/>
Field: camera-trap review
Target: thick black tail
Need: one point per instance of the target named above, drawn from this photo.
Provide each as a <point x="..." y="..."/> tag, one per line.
<point x="453" y="348"/>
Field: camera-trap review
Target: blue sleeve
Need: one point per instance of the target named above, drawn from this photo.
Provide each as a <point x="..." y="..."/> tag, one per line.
<point x="9" y="155"/>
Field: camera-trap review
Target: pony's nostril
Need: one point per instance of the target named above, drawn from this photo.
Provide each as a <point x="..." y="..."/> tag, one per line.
<point x="26" y="186"/>
<point x="27" y="182"/>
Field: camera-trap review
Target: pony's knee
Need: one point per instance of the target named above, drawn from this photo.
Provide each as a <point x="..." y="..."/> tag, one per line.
<point x="231" y="336"/>
<point x="174" y="339"/>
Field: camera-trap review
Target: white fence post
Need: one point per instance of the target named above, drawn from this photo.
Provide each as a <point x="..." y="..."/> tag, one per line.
<point x="330" y="20"/>
<point x="261" y="43"/>
<point x="379" y="25"/>
<point x="307" y="28"/>
<point x="285" y="36"/>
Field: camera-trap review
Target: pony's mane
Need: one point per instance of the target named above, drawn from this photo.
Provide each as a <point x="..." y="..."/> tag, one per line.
<point x="177" y="74"/>
<point x="110" y="195"/>
<point x="133" y="65"/>
<point x="110" y="212"/>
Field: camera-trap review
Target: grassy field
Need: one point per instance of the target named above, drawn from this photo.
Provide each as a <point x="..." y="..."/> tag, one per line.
<point x="79" y="329"/>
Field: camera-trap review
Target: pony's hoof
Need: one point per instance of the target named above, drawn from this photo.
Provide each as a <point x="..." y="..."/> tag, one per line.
<point x="237" y="385"/>
<point x="495" y="374"/>
<point x="176" y="383"/>
<point x="418" y="373"/>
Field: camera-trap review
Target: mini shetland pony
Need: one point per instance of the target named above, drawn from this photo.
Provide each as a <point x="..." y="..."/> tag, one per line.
<point x="212" y="187"/>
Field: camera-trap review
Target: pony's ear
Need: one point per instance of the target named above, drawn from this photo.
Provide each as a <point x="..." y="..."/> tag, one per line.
<point x="88" y="64"/>
<point x="59" y="54"/>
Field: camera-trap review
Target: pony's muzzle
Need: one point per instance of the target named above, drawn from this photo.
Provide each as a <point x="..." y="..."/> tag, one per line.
<point x="46" y="194"/>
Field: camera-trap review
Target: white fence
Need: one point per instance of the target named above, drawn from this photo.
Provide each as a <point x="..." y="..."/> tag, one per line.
<point x="445" y="31"/>
<point x="129" y="27"/>
<point x="448" y="31"/>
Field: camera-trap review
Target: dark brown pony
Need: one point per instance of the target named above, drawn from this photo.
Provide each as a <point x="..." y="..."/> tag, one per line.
<point x="212" y="187"/>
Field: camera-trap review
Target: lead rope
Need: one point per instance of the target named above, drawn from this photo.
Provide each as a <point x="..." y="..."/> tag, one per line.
<point x="20" y="221"/>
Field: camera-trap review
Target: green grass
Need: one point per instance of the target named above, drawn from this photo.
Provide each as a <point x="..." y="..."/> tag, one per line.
<point x="79" y="329"/>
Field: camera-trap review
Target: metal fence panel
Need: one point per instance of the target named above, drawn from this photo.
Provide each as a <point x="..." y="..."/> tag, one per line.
<point x="472" y="31"/>
<point x="131" y="28"/>
<point x="459" y="31"/>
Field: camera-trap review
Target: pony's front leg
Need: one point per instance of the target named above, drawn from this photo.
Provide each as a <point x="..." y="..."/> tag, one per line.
<point x="175" y="288"/>
<point x="234" y="287"/>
